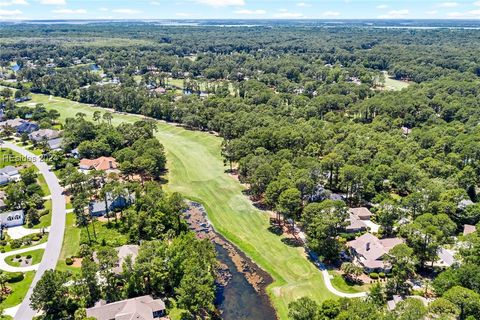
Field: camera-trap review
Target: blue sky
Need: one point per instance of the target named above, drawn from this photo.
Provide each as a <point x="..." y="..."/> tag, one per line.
<point x="238" y="9"/>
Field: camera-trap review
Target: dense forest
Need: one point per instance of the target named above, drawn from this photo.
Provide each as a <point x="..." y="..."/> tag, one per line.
<point x="304" y="114"/>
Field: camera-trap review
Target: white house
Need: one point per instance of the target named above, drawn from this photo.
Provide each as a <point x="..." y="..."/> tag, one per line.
<point x="12" y="218"/>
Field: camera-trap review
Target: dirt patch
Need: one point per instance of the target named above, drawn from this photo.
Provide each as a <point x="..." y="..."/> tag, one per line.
<point x="77" y="262"/>
<point x="197" y="219"/>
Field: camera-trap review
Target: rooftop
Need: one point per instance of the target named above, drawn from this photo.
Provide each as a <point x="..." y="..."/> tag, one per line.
<point x="140" y="308"/>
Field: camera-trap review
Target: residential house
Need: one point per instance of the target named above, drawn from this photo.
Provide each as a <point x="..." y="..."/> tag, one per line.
<point x="27" y="127"/>
<point x="446" y="258"/>
<point x="369" y="251"/>
<point x="44" y="135"/>
<point x="55" y="144"/>
<point x="467" y="229"/>
<point x="359" y="220"/>
<point x="12" y="218"/>
<point x="14" y="123"/>
<point x="140" y="308"/>
<point x="3" y="197"/>
<point x="129" y="250"/>
<point x="102" y="163"/>
<point x="4" y="180"/>
<point x="100" y="207"/>
<point x="11" y="173"/>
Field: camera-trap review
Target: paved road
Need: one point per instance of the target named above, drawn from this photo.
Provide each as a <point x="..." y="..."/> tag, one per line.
<point x="57" y="229"/>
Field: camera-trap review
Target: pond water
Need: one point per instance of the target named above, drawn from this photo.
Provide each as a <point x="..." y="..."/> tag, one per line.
<point x="238" y="300"/>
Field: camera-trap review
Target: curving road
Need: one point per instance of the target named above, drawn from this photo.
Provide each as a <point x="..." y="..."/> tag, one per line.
<point x="57" y="229"/>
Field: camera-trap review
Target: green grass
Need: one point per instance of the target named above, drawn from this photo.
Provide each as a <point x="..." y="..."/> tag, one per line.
<point x="10" y="158"/>
<point x="106" y="233"/>
<point x="8" y="248"/>
<point x="45" y="220"/>
<point x="196" y="170"/>
<point x="36" y="257"/>
<point x="340" y="284"/>
<point x="394" y="85"/>
<point x="43" y="184"/>
<point x="71" y="243"/>
<point x="19" y="291"/>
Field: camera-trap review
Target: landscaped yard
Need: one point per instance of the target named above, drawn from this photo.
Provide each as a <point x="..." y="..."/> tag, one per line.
<point x="46" y="219"/>
<point x="340" y="284"/>
<point x="196" y="170"/>
<point x="19" y="290"/>
<point x="106" y="234"/>
<point x="71" y="243"/>
<point x="10" y="158"/>
<point x="35" y="257"/>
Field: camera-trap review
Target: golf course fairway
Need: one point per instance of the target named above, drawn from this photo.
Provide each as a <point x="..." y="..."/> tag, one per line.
<point x="196" y="170"/>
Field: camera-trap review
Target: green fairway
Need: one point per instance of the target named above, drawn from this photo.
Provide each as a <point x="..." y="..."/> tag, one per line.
<point x="196" y="170"/>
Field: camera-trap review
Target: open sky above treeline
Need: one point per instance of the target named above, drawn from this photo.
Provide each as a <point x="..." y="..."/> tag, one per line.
<point x="238" y="9"/>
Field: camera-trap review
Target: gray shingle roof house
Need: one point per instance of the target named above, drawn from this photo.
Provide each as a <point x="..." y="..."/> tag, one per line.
<point x="55" y="144"/>
<point x="4" y="180"/>
<point x="99" y="207"/>
<point x="9" y="171"/>
<point x="368" y="251"/>
<point x="44" y="134"/>
<point x="140" y="308"/>
<point x="27" y="127"/>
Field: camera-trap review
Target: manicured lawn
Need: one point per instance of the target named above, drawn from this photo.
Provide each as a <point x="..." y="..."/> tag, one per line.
<point x="71" y="243"/>
<point x="8" y="248"/>
<point x="46" y="219"/>
<point x="340" y="284"/>
<point x="43" y="184"/>
<point x="19" y="291"/>
<point x="10" y="158"/>
<point x="36" y="257"/>
<point x="196" y="170"/>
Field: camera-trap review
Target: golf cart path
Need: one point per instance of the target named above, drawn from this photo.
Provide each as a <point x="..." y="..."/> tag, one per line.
<point x="57" y="229"/>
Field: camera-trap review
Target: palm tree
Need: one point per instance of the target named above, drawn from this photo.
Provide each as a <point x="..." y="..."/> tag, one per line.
<point x="3" y="281"/>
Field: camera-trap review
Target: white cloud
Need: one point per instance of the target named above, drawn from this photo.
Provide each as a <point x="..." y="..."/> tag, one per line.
<point x="183" y="14"/>
<point x="70" y="11"/>
<point x="222" y="3"/>
<point x="330" y="14"/>
<point x="251" y="12"/>
<point x="448" y="5"/>
<point x="53" y="2"/>
<point x="432" y="12"/>
<point x="474" y="12"/>
<point x="455" y="14"/>
<point x="303" y="4"/>
<point x="155" y="3"/>
<point x="103" y="9"/>
<point x="10" y="13"/>
<point x="286" y="14"/>
<point x="477" y="3"/>
<point x="382" y="6"/>
<point x="126" y="11"/>
<point x="395" y="14"/>
<point x="13" y="3"/>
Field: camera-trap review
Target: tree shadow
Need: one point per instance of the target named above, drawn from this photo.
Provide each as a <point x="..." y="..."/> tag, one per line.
<point x="292" y="242"/>
<point x="276" y="229"/>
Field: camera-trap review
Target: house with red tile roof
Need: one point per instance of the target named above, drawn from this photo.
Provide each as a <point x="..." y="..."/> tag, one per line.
<point x="102" y="163"/>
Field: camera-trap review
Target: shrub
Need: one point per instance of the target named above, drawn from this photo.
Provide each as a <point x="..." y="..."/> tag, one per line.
<point x="18" y="256"/>
<point x="35" y="238"/>
<point x="382" y="275"/>
<point x="389" y="275"/>
<point x="15" y="244"/>
<point x="15" y="277"/>
<point x="373" y="275"/>
<point x="29" y="256"/>
<point x="69" y="261"/>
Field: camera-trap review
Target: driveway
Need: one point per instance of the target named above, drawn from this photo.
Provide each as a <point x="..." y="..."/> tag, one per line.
<point x="57" y="229"/>
<point x="20" y="231"/>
